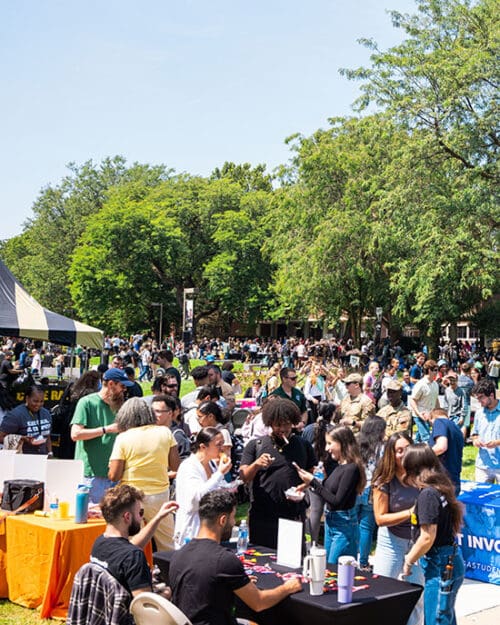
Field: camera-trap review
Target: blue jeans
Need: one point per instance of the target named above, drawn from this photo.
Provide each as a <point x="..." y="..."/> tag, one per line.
<point x="423" y="430"/>
<point x="389" y="560"/>
<point x="439" y="595"/>
<point x="341" y="534"/>
<point x="98" y="486"/>
<point x="367" y="525"/>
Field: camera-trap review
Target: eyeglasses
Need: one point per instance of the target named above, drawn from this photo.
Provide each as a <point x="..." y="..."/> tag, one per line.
<point x="171" y="385"/>
<point x="434" y="369"/>
<point x="159" y="410"/>
<point x="292" y="378"/>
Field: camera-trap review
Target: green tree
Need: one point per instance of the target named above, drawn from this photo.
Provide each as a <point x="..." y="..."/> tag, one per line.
<point x="41" y="255"/>
<point x="441" y="85"/>
<point x="249" y="178"/>
<point x="330" y="238"/>
<point x="149" y="244"/>
<point x="443" y="79"/>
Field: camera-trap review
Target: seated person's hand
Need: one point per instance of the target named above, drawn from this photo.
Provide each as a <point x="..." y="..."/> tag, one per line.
<point x="169" y="507"/>
<point x="293" y="585"/>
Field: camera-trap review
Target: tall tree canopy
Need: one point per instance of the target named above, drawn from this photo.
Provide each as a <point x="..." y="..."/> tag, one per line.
<point x="443" y="78"/>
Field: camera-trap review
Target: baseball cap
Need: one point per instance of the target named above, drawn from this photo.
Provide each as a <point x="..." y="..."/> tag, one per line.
<point x="117" y="375"/>
<point x="353" y="377"/>
<point x="394" y="385"/>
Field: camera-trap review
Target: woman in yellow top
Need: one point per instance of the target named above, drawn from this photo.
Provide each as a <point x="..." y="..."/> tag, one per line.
<point x="142" y="456"/>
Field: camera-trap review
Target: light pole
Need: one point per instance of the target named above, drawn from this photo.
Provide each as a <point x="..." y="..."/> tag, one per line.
<point x="188" y="312"/>
<point x="378" y="328"/>
<point x="160" y="304"/>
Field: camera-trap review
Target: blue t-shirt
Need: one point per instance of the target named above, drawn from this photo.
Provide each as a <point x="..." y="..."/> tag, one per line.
<point x="452" y="457"/>
<point x="487" y="427"/>
<point x="416" y="372"/>
<point x="22" y="421"/>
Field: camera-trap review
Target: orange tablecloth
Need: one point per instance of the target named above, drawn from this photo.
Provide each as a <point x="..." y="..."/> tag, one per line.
<point x="4" y="589"/>
<point x="42" y="558"/>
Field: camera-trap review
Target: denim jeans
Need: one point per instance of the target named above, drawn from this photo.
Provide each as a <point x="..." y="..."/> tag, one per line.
<point x="341" y="534"/>
<point x="423" y="430"/>
<point x="439" y="595"/>
<point x="98" y="486"/>
<point x="367" y="525"/>
<point x="389" y="560"/>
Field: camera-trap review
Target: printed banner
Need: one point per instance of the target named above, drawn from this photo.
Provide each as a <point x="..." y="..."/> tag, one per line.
<point x="480" y="536"/>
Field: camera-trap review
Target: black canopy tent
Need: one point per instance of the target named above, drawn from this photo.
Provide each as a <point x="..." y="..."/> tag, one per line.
<point x="23" y="316"/>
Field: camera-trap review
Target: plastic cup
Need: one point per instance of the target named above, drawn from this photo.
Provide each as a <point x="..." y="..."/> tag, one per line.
<point x="64" y="510"/>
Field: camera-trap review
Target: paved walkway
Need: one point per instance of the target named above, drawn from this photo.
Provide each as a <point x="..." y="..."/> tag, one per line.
<point x="478" y="603"/>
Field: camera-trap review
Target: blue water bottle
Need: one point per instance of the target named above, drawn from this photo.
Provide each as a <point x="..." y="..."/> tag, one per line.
<point x="82" y="504"/>
<point x="319" y="471"/>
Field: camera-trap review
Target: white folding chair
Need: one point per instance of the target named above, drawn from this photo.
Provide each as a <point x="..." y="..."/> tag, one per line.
<point x="149" y="608"/>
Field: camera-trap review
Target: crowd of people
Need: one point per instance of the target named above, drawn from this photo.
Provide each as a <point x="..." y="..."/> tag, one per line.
<point x="372" y="455"/>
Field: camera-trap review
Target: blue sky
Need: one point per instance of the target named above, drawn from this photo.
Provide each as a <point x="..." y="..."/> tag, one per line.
<point x="187" y="83"/>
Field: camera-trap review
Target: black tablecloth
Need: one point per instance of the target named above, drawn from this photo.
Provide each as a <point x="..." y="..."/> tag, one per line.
<point x="385" y="601"/>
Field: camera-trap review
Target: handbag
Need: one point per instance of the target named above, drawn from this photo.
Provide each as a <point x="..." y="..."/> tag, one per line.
<point x="18" y="493"/>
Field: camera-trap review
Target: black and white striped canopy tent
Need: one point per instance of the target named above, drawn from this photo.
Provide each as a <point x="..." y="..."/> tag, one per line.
<point x="23" y="316"/>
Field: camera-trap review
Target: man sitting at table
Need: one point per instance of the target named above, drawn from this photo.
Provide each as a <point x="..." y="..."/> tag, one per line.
<point x="120" y="549"/>
<point x="205" y="576"/>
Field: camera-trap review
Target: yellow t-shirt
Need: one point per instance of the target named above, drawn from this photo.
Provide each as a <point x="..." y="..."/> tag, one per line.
<point x="145" y="452"/>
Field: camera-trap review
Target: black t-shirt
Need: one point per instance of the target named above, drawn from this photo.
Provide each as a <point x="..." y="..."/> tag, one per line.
<point x="269" y="485"/>
<point x="126" y="562"/>
<point x="432" y="508"/>
<point x="339" y="490"/>
<point x="203" y="576"/>
<point x="5" y="377"/>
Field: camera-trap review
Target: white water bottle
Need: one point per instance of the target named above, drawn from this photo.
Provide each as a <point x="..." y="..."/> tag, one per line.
<point x="242" y="543"/>
<point x="54" y="507"/>
<point x="319" y="471"/>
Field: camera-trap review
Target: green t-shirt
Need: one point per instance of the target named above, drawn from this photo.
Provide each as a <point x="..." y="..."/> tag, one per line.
<point x="92" y="412"/>
<point x="297" y="397"/>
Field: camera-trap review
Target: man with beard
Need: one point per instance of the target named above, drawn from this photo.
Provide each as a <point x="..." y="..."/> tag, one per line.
<point x="94" y="429"/>
<point x="206" y="593"/>
<point x="268" y="463"/>
<point x="119" y="549"/>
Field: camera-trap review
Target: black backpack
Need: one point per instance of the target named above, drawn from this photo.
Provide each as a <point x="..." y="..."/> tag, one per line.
<point x="376" y="389"/>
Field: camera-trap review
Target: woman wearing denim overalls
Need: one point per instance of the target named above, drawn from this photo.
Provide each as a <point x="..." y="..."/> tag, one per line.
<point x="436" y="522"/>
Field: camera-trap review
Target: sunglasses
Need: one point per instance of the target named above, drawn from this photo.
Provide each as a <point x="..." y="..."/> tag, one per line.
<point x="171" y="385"/>
<point x="293" y="379"/>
